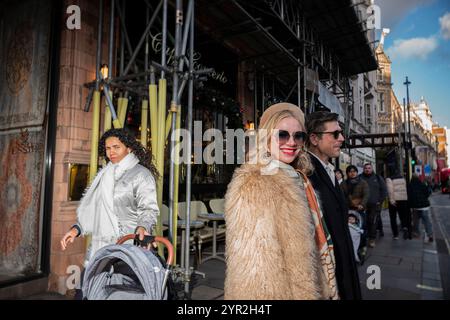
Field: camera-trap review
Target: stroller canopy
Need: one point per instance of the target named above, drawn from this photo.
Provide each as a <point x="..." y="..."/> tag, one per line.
<point x="124" y="272"/>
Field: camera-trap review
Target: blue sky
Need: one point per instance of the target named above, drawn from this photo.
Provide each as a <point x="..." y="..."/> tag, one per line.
<point x="419" y="47"/>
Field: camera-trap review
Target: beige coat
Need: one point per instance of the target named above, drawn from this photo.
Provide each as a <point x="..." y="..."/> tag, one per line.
<point x="397" y="190"/>
<point x="270" y="246"/>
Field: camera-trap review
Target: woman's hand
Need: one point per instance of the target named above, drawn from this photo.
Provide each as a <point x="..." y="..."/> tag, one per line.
<point x="141" y="232"/>
<point x="68" y="238"/>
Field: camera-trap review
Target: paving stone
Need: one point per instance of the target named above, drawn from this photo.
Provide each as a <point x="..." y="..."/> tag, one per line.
<point x="431" y="276"/>
<point x="206" y="293"/>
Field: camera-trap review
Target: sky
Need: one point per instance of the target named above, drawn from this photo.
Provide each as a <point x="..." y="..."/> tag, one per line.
<point x="419" y="47"/>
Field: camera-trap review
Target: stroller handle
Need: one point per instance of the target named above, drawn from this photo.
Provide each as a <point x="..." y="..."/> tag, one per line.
<point x="162" y="240"/>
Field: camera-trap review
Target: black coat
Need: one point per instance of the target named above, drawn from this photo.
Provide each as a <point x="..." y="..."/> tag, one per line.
<point x="335" y="213"/>
<point x="418" y="194"/>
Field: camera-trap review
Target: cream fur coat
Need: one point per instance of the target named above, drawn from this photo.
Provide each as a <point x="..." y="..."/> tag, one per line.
<point x="270" y="247"/>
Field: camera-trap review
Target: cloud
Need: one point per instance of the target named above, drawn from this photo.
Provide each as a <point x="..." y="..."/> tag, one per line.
<point x="444" y="21"/>
<point x="413" y="48"/>
<point x="392" y="12"/>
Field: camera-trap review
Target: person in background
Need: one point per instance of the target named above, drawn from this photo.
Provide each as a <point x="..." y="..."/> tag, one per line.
<point x="339" y="175"/>
<point x="356" y="192"/>
<point x="355" y="189"/>
<point x="277" y="245"/>
<point x="325" y="138"/>
<point x="377" y="194"/>
<point x="418" y="194"/>
<point x="398" y="204"/>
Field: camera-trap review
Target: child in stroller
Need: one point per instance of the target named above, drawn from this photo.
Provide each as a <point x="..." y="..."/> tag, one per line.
<point x="355" y="225"/>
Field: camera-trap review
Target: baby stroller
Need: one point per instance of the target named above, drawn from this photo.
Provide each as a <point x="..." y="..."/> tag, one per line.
<point x="127" y="272"/>
<point x="357" y="234"/>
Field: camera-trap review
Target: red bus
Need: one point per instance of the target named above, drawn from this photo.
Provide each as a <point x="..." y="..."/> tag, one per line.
<point x="445" y="176"/>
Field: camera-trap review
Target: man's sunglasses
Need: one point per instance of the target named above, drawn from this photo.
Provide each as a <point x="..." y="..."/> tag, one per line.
<point x="284" y="136"/>
<point x="335" y="133"/>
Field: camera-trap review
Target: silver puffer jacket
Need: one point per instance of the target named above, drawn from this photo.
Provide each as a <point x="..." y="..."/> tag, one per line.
<point x="135" y="201"/>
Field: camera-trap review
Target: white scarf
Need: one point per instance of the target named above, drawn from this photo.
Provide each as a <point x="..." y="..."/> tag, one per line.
<point x="96" y="210"/>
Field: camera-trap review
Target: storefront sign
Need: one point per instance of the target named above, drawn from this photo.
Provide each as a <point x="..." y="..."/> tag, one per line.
<point x="157" y="47"/>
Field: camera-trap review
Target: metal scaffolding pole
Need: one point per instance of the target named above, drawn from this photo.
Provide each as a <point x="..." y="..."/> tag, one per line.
<point x="174" y="105"/>
<point x="164" y="39"/>
<point x="122" y="46"/>
<point x="111" y="40"/>
<point x="142" y="40"/>
<point x="189" y="127"/>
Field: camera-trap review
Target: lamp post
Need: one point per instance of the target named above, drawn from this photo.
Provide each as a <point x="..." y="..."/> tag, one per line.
<point x="405" y="139"/>
<point x="409" y="143"/>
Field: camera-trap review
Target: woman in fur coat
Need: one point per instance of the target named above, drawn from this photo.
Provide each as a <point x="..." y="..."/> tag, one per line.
<point x="277" y="244"/>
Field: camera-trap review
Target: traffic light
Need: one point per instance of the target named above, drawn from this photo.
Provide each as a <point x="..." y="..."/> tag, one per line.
<point x="413" y="162"/>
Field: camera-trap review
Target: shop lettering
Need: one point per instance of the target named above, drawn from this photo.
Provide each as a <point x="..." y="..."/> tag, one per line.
<point x="170" y="53"/>
<point x="74" y="20"/>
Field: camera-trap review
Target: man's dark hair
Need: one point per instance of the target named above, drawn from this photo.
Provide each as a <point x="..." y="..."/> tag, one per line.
<point x="315" y="122"/>
<point x="351" y="167"/>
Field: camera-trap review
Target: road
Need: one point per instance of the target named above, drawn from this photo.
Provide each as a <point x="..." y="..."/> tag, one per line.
<point x="440" y="204"/>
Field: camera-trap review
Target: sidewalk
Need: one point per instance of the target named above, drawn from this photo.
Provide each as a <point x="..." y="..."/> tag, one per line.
<point x="409" y="268"/>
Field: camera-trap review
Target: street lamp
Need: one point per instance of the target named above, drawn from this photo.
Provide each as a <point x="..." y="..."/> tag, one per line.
<point x="104" y="70"/>
<point x="409" y="143"/>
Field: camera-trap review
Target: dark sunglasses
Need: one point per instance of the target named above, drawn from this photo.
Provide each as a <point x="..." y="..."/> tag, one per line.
<point x="284" y="136"/>
<point x="335" y="133"/>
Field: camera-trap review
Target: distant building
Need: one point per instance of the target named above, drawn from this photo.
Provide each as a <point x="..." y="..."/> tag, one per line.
<point x="442" y="137"/>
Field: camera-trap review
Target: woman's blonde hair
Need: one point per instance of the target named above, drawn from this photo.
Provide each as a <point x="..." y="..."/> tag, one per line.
<point x="264" y="134"/>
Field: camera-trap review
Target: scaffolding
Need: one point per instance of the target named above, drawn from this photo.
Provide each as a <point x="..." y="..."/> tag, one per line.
<point x="301" y="49"/>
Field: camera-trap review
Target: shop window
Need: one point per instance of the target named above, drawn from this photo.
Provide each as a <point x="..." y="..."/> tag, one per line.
<point x="78" y="180"/>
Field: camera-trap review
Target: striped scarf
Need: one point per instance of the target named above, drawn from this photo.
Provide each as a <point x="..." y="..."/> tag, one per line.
<point x="323" y="239"/>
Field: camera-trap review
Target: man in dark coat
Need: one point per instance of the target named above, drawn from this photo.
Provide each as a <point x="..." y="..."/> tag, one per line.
<point x="324" y="143"/>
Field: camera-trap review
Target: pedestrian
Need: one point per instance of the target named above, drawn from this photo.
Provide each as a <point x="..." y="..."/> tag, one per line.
<point x="121" y="199"/>
<point x="339" y="175"/>
<point x="355" y="189"/>
<point x="356" y="192"/>
<point x="378" y="192"/>
<point x="398" y="204"/>
<point x="325" y="138"/>
<point x="277" y="245"/>
<point x="418" y="194"/>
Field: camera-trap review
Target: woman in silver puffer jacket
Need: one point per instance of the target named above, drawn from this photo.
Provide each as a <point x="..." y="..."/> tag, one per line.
<point x="122" y="197"/>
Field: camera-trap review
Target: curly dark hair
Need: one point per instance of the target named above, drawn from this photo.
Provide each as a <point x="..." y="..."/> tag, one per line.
<point x="129" y="140"/>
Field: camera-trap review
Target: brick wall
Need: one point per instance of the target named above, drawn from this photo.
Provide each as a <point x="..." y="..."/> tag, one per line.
<point x="78" y="58"/>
